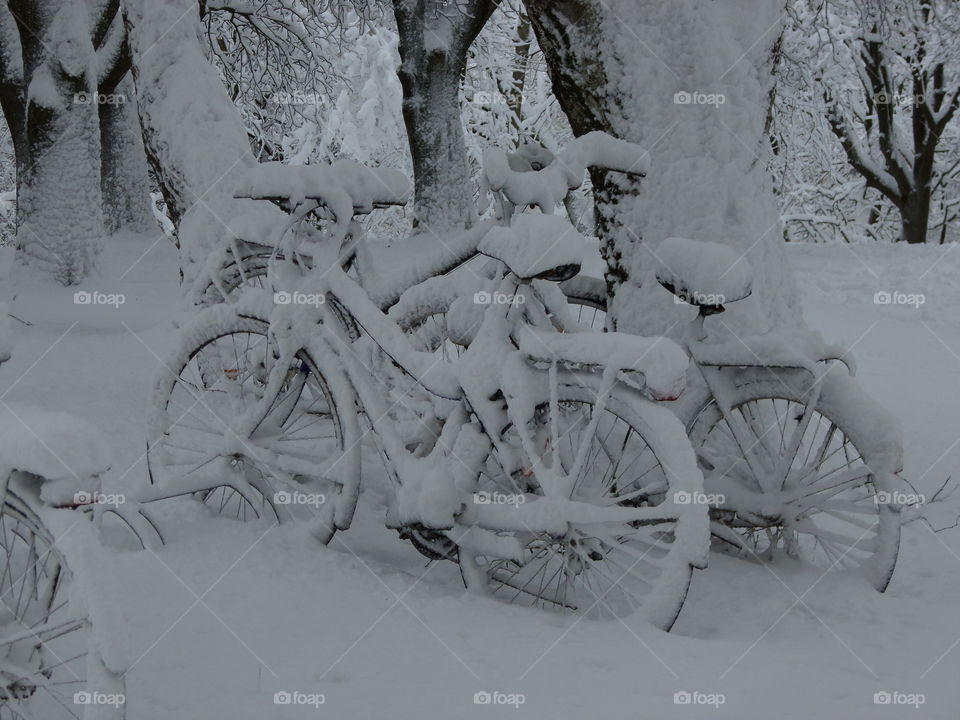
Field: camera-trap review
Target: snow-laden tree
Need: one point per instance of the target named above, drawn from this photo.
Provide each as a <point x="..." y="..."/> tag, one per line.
<point x="194" y="138"/>
<point x="281" y="59"/>
<point x="59" y="198"/>
<point x="690" y="81"/>
<point x="124" y="175"/>
<point x="435" y="36"/>
<point x="886" y="75"/>
<point x="74" y="132"/>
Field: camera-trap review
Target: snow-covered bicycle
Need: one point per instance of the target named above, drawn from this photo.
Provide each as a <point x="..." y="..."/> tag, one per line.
<point x="52" y="662"/>
<point x="795" y="456"/>
<point x="536" y="460"/>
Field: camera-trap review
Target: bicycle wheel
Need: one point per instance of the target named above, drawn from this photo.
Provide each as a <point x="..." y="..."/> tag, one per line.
<point x="601" y="569"/>
<point x="299" y="455"/>
<point x="46" y="668"/>
<point x="235" y="277"/>
<point x="810" y="486"/>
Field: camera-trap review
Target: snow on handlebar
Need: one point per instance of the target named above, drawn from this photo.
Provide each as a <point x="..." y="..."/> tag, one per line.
<point x="344" y="186"/>
<point x="547" y="187"/>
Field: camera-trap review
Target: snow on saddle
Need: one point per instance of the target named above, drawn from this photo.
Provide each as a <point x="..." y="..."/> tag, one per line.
<point x="706" y="274"/>
<point x="66" y="453"/>
<point x="661" y="361"/>
<point x="545" y="247"/>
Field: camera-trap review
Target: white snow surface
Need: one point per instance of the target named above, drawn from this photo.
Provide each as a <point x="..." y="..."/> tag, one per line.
<point x="382" y="634"/>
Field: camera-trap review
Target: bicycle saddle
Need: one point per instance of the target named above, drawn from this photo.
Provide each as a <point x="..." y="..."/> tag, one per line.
<point x="706" y="274"/>
<point x="545" y="247"/>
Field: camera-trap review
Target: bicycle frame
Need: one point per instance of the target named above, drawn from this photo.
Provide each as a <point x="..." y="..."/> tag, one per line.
<point x="481" y="410"/>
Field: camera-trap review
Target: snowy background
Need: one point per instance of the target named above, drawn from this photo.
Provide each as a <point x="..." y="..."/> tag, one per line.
<point x="763" y="121"/>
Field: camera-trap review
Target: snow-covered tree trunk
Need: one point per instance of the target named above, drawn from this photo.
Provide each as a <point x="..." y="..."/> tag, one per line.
<point x="60" y="202"/>
<point x="12" y="91"/>
<point x="691" y="82"/>
<point x="194" y="138"/>
<point x="124" y="175"/>
<point x="435" y="36"/>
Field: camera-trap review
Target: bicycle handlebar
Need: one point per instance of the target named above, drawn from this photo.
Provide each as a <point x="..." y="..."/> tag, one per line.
<point x="547" y="187"/>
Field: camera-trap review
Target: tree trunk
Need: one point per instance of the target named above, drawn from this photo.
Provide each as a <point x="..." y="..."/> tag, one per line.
<point x="431" y="114"/>
<point x="59" y="202"/>
<point x="194" y="137"/>
<point x="631" y="68"/>
<point x="435" y="36"/>
<point x="915" y="217"/>
<point x="124" y="176"/>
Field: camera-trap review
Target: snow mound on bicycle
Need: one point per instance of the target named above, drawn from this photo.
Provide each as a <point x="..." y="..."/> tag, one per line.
<point x="27" y="436"/>
<point x="703" y="273"/>
<point x="535" y="245"/>
<point x="661" y="361"/>
<point x="364" y="187"/>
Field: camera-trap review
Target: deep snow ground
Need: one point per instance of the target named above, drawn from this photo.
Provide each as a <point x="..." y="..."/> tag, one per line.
<point x="227" y="614"/>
